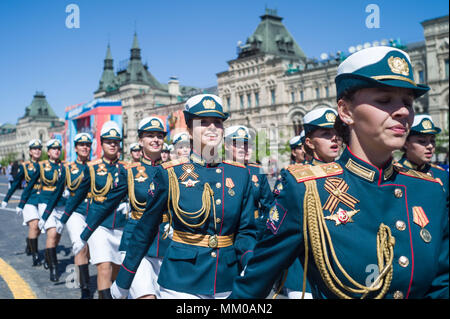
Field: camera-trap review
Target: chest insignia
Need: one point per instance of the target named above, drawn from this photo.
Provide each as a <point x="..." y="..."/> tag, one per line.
<point x="101" y="170"/>
<point x="141" y="175"/>
<point x="188" y="171"/>
<point x="342" y="216"/>
<point x="230" y="184"/>
<point x="338" y="188"/>
<point x="189" y="183"/>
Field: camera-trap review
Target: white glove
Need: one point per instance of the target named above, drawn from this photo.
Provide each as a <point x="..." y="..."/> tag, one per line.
<point x="41" y="224"/>
<point x="78" y="246"/>
<point x="123" y="208"/>
<point x="117" y="292"/>
<point x="19" y="211"/>
<point x="167" y="227"/>
<point x="66" y="193"/>
<point x="4" y="204"/>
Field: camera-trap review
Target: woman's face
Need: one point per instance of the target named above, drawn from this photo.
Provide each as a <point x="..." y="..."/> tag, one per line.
<point x="136" y="155"/>
<point x="299" y="154"/>
<point x="207" y="132"/>
<point x="420" y="148"/>
<point x="379" y="118"/>
<point x="182" y="149"/>
<point x="54" y="153"/>
<point x="111" y="148"/>
<point x="239" y="151"/>
<point x="324" y="143"/>
<point x="165" y="156"/>
<point x="152" y="142"/>
<point x="35" y="153"/>
<point x="83" y="150"/>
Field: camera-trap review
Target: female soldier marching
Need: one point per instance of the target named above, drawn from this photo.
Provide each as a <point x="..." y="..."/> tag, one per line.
<point x="73" y="175"/>
<point x="211" y="211"/>
<point x="341" y="217"/>
<point x="99" y="177"/>
<point x="30" y="208"/>
<point x="49" y="173"/>
<point x="136" y="183"/>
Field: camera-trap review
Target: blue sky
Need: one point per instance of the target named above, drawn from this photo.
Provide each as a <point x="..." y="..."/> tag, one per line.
<point x="192" y="40"/>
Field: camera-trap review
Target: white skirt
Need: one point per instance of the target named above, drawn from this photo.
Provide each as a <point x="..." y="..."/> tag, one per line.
<point x="75" y="226"/>
<point x="104" y="245"/>
<point x="145" y="281"/>
<point x="294" y="294"/>
<point x="172" y="294"/>
<point x="29" y="213"/>
<point x="53" y="220"/>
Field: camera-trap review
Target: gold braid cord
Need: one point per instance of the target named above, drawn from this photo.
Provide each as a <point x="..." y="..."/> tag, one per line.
<point x="48" y="182"/>
<point x="73" y="185"/>
<point x="102" y="192"/>
<point x="174" y="198"/>
<point x="138" y="206"/>
<point x="319" y="236"/>
<point x="25" y="172"/>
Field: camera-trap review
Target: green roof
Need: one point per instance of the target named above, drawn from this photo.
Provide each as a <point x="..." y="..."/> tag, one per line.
<point x="39" y="107"/>
<point x="272" y="37"/>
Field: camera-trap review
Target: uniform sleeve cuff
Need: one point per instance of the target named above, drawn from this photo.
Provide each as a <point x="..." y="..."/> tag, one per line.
<point x="87" y="232"/>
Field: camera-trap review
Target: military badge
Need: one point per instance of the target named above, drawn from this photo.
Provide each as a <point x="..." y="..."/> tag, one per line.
<point x="74" y="169"/>
<point x="398" y="65"/>
<point x="141" y="175"/>
<point x="421" y="219"/>
<point x="230" y="184"/>
<point x="331" y="117"/>
<point x="151" y="189"/>
<point x="427" y="124"/>
<point x="47" y="167"/>
<point x="275" y="219"/>
<point x="188" y="171"/>
<point x="342" y="216"/>
<point x="337" y="187"/>
<point x="209" y="104"/>
<point x="189" y="183"/>
<point x="255" y="180"/>
<point x="101" y="170"/>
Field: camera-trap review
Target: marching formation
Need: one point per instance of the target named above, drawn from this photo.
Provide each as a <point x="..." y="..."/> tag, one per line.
<point x="206" y="224"/>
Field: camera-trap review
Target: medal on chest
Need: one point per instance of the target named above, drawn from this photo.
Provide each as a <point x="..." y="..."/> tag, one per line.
<point x="421" y="219"/>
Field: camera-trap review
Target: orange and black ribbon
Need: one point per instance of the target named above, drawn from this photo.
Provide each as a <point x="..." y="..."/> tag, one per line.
<point x="337" y="188"/>
<point x="188" y="171"/>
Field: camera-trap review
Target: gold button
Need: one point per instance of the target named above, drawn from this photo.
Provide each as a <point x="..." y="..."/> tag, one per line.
<point x="213" y="254"/>
<point x="398" y="193"/>
<point x="403" y="261"/>
<point x="218" y="185"/>
<point x="218" y="202"/>
<point x="218" y="220"/>
<point x="218" y="171"/>
<point x="400" y="224"/>
<point x="398" y="295"/>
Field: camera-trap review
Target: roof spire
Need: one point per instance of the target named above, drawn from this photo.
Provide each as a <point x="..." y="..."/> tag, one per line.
<point x="135" y="50"/>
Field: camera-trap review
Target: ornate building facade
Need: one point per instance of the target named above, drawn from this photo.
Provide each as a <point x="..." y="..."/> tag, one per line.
<point x="39" y="121"/>
<point x="271" y="85"/>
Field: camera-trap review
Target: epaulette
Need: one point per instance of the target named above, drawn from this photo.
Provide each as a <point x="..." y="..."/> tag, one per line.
<point x="175" y="162"/>
<point x="125" y="164"/>
<point x="254" y="165"/>
<point x="416" y="174"/>
<point x="438" y="167"/>
<point x="132" y="164"/>
<point x="306" y="172"/>
<point x="66" y="164"/>
<point x="234" y="163"/>
<point x="26" y="162"/>
<point x="94" y="162"/>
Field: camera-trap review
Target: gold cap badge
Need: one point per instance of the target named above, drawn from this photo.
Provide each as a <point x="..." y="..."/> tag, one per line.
<point x="398" y="65"/>
<point x="331" y="117"/>
<point x="427" y="124"/>
<point x="209" y="104"/>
